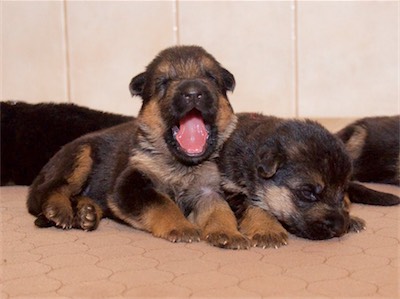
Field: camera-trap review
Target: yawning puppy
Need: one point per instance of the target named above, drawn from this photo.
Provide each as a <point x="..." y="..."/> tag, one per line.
<point x="287" y="175"/>
<point x="152" y="172"/>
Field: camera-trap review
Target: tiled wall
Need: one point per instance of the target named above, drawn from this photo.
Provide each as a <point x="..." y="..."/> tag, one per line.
<point x="290" y="58"/>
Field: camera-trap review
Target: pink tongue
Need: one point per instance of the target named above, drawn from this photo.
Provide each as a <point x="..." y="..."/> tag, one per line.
<point x="192" y="134"/>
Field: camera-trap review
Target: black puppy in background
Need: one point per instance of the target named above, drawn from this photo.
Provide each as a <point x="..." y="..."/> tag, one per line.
<point x="32" y="133"/>
<point x="373" y="144"/>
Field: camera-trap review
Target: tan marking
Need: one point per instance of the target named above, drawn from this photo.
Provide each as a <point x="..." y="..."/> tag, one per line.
<point x="277" y="201"/>
<point x="60" y="199"/>
<point x="84" y="200"/>
<point x="164" y="67"/>
<point x="82" y="168"/>
<point x="347" y="202"/>
<point x="58" y="208"/>
<point x="355" y="144"/>
<point x="258" y="221"/>
<point x="226" y="120"/>
<point x="122" y="216"/>
<point x="214" y="216"/>
<point x="151" y="121"/>
<point x="160" y="220"/>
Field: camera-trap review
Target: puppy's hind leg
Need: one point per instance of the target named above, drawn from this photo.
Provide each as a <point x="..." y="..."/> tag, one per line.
<point x="137" y="202"/>
<point x="50" y="194"/>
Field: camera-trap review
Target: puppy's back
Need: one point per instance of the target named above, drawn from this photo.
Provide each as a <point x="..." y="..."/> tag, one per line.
<point x="374" y="146"/>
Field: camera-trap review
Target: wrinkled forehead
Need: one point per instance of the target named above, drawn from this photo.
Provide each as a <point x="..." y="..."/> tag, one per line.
<point x="306" y="176"/>
<point x="325" y="171"/>
<point x="185" y="66"/>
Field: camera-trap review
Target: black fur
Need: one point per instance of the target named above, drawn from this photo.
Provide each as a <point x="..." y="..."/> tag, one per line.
<point x="361" y="194"/>
<point x="135" y="173"/>
<point x="303" y="161"/>
<point x="374" y="145"/>
<point x="32" y="133"/>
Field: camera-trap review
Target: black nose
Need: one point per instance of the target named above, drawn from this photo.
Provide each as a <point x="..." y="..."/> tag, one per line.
<point x="192" y="91"/>
<point x="191" y="95"/>
<point x="337" y="224"/>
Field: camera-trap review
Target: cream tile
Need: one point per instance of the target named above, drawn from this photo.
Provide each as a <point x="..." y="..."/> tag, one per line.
<point x="15" y="271"/>
<point x="134" y="278"/>
<point x="92" y="289"/>
<point x="348" y="58"/>
<point x="253" y="41"/>
<point x="33" y="51"/>
<point x="276" y="285"/>
<point x="79" y="274"/>
<point x="200" y="282"/>
<point x="29" y="286"/>
<point x="357" y="262"/>
<point x="68" y="260"/>
<point x="356" y="266"/>
<point x="110" y="43"/>
<point x="342" y="288"/>
<point x="162" y="290"/>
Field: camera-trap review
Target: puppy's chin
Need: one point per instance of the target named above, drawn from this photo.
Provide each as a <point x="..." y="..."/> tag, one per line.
<point x="328" y="227"/>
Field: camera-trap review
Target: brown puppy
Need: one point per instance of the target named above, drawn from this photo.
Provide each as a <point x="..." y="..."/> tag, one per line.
<point x="284" y="176"/>
<point x="373" y="144"/>
<point x="152" y="172"/>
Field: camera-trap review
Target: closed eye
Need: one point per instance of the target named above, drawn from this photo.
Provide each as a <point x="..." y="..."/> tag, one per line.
<point x="162" y="82"/>
<point x="211" y="76"/>
<point x="310" y="193"/>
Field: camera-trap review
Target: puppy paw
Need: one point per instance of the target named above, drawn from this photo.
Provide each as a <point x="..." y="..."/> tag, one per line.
<point x="269" y="239"/>
<point x="87" y="217"/>
<point x="228" y="240"/>
<point x="61" y="215"/>
<point x="356" y="225"/>
<point x="186" y="234"/>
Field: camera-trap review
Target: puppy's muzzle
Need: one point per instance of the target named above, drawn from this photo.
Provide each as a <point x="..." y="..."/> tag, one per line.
<point x="194" y="94"/>
<point x="333" y="225"/>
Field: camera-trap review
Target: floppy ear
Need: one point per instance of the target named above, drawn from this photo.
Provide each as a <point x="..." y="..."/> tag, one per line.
<point x="269" y="160"/>
<point x="137" y="84"/>
<point x="229" y="80"/>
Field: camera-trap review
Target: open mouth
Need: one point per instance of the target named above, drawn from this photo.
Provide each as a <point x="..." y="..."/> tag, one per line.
<point x="192" y="133"/>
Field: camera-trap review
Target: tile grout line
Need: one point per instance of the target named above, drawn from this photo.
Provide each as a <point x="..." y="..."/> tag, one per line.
<point x="295" y="63"/>
<point x="66" y="52"/>
<point x="175" y="27"/>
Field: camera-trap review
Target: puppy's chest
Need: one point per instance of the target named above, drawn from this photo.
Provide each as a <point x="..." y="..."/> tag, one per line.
<point x="183" y="184"/>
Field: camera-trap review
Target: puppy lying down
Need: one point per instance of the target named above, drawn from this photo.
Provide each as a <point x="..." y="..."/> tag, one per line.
<point x="294" y="176"/>
<point x="373" y="144"/>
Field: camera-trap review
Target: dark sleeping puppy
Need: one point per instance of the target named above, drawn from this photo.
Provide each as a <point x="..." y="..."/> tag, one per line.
<point x="157" y="171"/>
<point x="32" y="133"/>
<point x="292" y="176"/>
<point x="373" y="143"/>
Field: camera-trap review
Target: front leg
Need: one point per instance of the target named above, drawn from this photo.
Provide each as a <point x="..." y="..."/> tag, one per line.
<point x="137" y="202"/>
<point x="218" y="223"/>
<point x="263" y="229"/>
